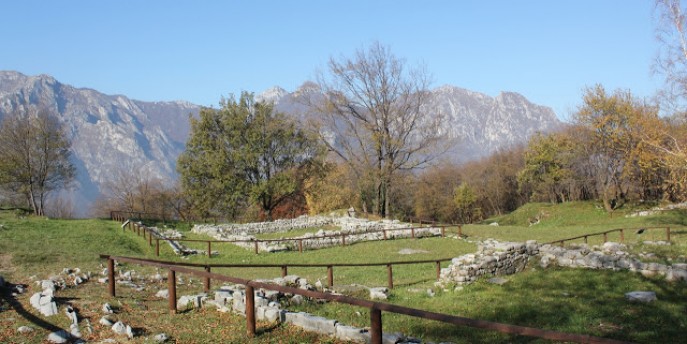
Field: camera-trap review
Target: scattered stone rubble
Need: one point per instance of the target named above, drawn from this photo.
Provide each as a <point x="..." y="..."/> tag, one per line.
<point x="356" y="230"/>
<point x="494" y="258"/>
<point x="269" y="306"/>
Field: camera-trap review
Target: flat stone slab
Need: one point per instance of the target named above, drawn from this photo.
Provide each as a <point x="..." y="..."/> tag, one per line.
<point x="641" y="296"/>
<point x="411" y="251"/>
<point x="497" y="280"/>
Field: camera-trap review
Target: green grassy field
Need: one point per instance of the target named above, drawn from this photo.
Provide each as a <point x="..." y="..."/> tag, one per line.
<point x="569" y="300"/>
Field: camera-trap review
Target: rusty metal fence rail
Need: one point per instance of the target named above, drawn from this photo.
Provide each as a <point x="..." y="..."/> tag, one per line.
<point x="284" y="267"/>
<point x="375" y="308"/>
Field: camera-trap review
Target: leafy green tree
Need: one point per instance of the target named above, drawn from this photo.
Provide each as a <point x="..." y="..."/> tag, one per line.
<point x="34" y="157"/>
<point x="244" y="153"/>
<point x="465" y="199"/>
<point x="547" y="168"/>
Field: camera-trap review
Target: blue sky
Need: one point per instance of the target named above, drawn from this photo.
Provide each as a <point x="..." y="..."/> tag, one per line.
<point x="199" y="51"/>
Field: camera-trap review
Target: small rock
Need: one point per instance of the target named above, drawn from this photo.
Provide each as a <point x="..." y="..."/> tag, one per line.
<point x="497" y="280"/>
<point x="107" y="309"/>
<point x="74" y="331"/>
<point x="105" y="321"/>
<point x="119" y="328"/>
<point x="161" y="338"/>
<point x="164" y="294"/>
<point x="379" y="293"/>
<point x="129" y="332"/>
<point x="58" y="337"/>
<point x="641" y="296"/>
<point x="297" y="299"/>
<point x="25" y="329"/>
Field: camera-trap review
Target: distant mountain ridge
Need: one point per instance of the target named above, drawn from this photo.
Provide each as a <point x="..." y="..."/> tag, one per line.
<point x="112" y="132"/>
<point x="477" y="123"/>
<point x="109" y="133"/>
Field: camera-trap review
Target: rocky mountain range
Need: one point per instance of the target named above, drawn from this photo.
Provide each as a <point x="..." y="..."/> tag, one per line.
<point x="113" y="135"/>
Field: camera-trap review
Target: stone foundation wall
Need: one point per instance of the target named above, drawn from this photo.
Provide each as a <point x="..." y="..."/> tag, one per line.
<point x="346" y="224"/>
<point x="611" y="255"/>
<point x="493" y="258"/>
<point x="355" y="230"/>
<point x="316" y="241"/>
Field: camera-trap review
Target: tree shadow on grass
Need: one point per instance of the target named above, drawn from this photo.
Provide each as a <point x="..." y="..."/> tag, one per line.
<point x="6" y="295"/>
<point x="584" y="302"/>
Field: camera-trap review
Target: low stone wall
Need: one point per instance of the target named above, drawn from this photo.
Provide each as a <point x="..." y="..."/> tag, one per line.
<point x="493" y="258"/>
<point x="347" y="224"/>
<point x="356" y="230"/>
<point x="611" y="256"/>
<point x="324" y="239"/>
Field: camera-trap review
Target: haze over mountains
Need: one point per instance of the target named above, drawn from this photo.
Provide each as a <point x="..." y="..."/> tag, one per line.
<point x="112" y="134"/>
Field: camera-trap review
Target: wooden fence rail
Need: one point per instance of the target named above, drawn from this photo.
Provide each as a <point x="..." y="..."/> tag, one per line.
<point x="284" y="267"/>
<point x="375" y="308"/>
<point x="142" y="230"/>
<point x="639" y="230"/>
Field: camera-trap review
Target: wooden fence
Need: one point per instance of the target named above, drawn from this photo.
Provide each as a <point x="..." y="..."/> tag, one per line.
<point x="284" y="267"/>
<point x="621" y="232"/>
<point x="375" y="308"/>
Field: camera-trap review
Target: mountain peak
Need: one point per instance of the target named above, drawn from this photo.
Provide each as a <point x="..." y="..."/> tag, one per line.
<point x="271" y="95"/>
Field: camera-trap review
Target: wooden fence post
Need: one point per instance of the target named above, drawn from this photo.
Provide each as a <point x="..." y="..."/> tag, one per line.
<point x="111" y="276"/>
<point x="460" y="230"/>
<point x="622" y="235"/>
<point x="438" y="269"/>
<point x="157" y="247"/>
<point x="343" y="240"/>
<point x="250" y="311"/>
<point x="390" y="276"/>
<point x="384" y="231"/>
<point x="300" y="245"/>
<point x="207" y="279"/>
<point x="412" y="233"/>
<point x="150" y="239"/>
<point x="668" y="234"/>
<point x="375" y="326"/>
<point x="330" y="276"/>
<point x="255" y="247"/>
<point x="605" y="237"/>
<point x="209" y="249"/>
<point x="443" y="232"/>
<point x="284" y="271"/>
<point x="172" y="286"/>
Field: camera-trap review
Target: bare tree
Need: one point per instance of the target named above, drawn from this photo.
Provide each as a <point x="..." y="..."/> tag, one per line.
<point x="671" y="59"/>
<point x="34" y="156"/>
<point x="373" y="117"/>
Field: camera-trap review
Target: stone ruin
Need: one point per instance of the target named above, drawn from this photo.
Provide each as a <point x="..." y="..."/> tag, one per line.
<point x="270" y="307"/>
<point x="356" y="230"/>
<point x="495" y="258"/>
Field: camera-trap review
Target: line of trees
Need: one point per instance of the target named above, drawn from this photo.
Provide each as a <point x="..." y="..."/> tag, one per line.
<point x="243" y="160"/>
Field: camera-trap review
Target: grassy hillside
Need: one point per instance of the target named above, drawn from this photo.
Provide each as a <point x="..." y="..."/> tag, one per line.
<point x="578" y="301"/>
